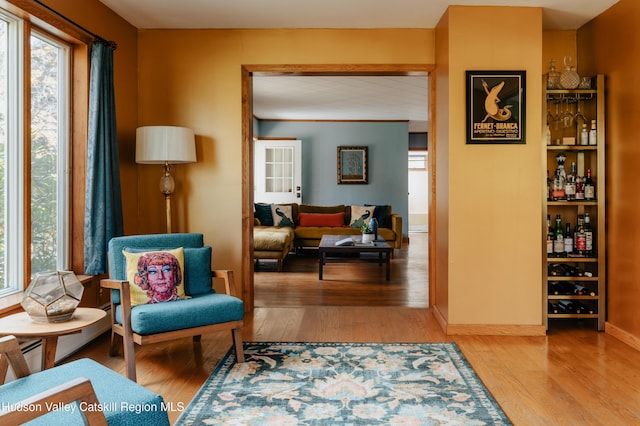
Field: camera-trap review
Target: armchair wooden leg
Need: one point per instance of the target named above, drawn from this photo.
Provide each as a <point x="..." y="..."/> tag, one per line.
<point x="130" y="357"/>
<point x="116" y="339"/>
<point x="237" y="342"/>
<point x="196" y="339"/>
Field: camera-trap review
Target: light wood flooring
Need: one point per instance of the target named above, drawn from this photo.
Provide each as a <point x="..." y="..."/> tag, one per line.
<point x="573" y="376"/>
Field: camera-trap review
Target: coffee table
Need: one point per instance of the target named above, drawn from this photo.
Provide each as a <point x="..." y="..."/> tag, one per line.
<point x="330" y="253"/>
<point x="22" y="326"/>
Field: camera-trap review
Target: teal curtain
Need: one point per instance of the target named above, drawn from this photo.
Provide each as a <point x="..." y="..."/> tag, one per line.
<point x="103" y="211"/>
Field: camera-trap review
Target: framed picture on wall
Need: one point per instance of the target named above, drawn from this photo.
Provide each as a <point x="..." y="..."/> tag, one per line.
<point x="352" y="164"/>
<point x="495" y="107"/>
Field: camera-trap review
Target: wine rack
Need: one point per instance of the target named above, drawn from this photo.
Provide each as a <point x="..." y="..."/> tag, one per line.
<point x="565" y="110"/>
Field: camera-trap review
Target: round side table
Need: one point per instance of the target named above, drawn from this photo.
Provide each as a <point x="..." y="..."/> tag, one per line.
<point x="22" y="326"/>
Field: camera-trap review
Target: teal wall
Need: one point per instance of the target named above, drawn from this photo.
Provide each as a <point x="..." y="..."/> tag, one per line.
<point x="388" y="145"/>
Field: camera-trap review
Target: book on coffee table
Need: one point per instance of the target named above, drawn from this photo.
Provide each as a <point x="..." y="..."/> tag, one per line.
<point x="345" y="242"/>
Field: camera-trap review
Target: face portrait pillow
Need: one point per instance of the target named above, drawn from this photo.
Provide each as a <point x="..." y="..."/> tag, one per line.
<point x="155" y="276"/>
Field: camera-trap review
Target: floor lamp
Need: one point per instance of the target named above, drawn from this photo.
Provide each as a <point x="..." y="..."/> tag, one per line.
<point x="165" y="145"/>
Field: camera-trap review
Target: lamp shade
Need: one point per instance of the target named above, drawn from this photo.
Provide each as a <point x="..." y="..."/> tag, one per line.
<point x="165" y="144"/>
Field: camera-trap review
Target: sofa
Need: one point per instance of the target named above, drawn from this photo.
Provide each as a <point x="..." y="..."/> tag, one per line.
<point x="281" y="228"/>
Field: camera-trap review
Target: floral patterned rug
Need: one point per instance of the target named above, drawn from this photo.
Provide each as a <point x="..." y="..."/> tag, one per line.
<point x="344" y="384"/>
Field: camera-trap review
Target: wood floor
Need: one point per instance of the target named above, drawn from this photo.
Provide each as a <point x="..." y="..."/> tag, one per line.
<point x="573" y="376"/>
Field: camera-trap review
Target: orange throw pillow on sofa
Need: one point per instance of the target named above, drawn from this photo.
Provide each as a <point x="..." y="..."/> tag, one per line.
<point x="321" y="219"/>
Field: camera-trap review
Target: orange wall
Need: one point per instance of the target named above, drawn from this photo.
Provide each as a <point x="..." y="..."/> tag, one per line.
<point x="609" y="45"/>
<point x="494" y="191"/>
<point x="192" y="78"/>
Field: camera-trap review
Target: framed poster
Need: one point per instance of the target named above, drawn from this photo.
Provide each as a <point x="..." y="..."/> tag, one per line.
<point x="495" y="107"/>
<point x="352" y="164"/>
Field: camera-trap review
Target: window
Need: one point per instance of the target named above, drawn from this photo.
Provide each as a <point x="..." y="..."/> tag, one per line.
<point x="418" y="161"/>
<point x="34" y="164"/>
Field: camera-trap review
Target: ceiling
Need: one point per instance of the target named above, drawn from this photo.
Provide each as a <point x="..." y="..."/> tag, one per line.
<point x="333" y="97"/>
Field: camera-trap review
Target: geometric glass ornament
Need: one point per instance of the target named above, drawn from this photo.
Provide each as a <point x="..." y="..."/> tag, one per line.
<point x="52" y="296"/>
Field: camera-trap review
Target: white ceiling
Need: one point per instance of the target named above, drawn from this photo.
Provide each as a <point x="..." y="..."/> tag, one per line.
<point x="557" y="14"/>
<point x="337" y="98"/>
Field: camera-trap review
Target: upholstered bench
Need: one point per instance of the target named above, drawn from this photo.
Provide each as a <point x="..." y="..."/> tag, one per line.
<point x="270" y="242"/>
<point x="122" y="401"/>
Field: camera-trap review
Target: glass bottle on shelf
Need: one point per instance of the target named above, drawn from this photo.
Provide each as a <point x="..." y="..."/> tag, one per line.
<point x="570" y="186"/>
<point x="593" y="134"/>
<point x="553" y="77"/>
<point x="579" y="188"/>
<point x="569" y="79"/>
<point x="579" y="237"/>
<point x="568" y="241"/>
<point x="550" y="236"/>
<point x="589" y="188"/>
<point x="558" y="242"/>
<point x="584" y="135"/>
<point x="588" y="232"/>
<point x="560" y="179"/>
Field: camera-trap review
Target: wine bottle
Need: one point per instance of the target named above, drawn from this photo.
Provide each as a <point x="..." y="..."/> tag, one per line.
<point x="583" y="308"/>
<point x="554" y="288"/>
<point x="579" y="188"/>
<point x="553" y="308"/>
<point x="568" y="240"/>
<point x="558" y="242"/>
<point x="567" y="306"/>
<point x="580" y="237"/>
<point x="585" y="291"/>
<point x="550" y="234"/>
<point x="588" y="232"/>
<point x="589" y="188"/>
<point x="570" y="186"/>
<point x="593" y="135"/>
<point x="549" y="187"/>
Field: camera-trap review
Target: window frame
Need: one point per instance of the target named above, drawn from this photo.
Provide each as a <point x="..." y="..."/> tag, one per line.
<point x="34" y="17"/>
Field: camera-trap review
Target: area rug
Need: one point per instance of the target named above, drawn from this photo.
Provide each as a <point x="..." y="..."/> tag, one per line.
<point x="344" y="384"/>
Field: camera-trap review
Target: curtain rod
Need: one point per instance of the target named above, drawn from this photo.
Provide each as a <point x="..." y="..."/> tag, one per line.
<point x="97" y="38"/>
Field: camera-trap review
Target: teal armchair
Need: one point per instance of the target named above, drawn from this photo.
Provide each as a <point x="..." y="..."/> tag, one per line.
<point x="203" y="311"/>
<point x="96" y="395"/>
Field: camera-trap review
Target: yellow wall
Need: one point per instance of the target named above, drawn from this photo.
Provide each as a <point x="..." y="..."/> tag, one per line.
<point x="494" y="191"/>
<point x="609" y="45"/>
<point x="192" y="78"/>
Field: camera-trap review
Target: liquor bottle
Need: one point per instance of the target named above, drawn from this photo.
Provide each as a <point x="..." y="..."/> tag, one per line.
<point x="589" y="188"/>
<point x="579" y="188"/>
<point x="570" y="186"/>
<point x="558" y="241"/>
<point x="580" y="237"/>
<point x="588" y="232"/>
<point x="568" y="240"/>
<point x="549" y="187"/>
<point x="584" y="135"/>
<point x="560" y="179"/>
<point x="593" y="135"/>
<point x="550" y="236"/>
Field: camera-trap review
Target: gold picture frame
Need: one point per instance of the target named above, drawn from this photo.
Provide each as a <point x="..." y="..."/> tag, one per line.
<point x="352" y="165"/>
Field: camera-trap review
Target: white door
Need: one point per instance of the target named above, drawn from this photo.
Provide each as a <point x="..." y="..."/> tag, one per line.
<point x="277" y="171"/>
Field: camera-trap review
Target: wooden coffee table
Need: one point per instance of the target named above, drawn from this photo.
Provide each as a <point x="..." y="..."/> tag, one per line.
<point x="22" y="326"/>
<point x="330" y="253"/>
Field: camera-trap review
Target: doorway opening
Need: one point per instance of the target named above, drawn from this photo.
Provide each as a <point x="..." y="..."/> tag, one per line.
<point x="249" y="121"/>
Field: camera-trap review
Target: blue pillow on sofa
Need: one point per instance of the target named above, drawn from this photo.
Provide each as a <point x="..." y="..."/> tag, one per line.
<point x="263" y="214"/>
<point x="380" y="213"/>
